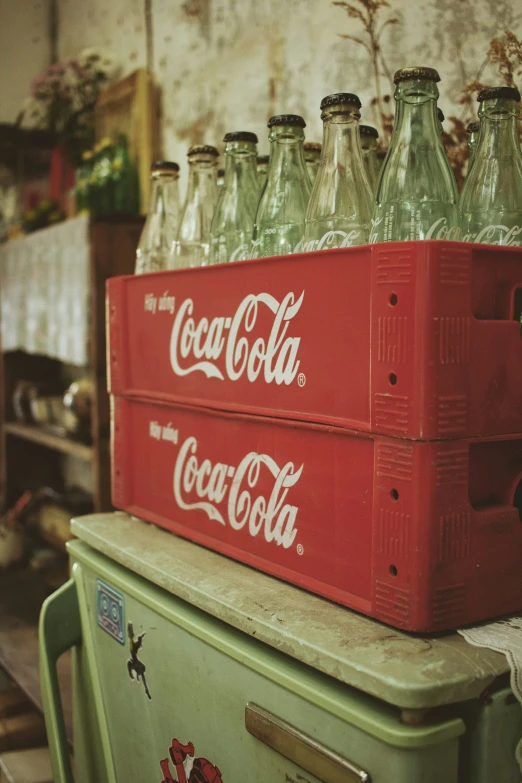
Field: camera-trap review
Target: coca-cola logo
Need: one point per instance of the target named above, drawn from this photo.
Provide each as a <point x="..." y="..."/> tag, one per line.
<point x="224" y="346"/>
<point x="329" y="240"/>
<point x="497" y="234"/>
<point x="231" y="495"/>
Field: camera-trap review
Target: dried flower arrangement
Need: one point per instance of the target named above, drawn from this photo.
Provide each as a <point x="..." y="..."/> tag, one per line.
<point x="63" y="99"/>
<point x="505" y="52"/>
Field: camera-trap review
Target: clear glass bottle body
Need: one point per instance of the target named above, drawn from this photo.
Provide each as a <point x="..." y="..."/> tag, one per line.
<point x="161" y="226"/>
<point x="192" y="245"/>
<point x="370" y="159"/>
<point x="233" y="221"/>
<point x="340" y="206"/>
<point x="417" y="195"/>
<point x="279" y="222"/>
<point x="312" y="156"/>
<point x="491" y="200"/>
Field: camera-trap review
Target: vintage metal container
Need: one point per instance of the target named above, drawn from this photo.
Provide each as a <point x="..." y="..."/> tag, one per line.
<point x="415" y="339"/>
<point x="413" y="533"/>
<point x="239" y="676"/>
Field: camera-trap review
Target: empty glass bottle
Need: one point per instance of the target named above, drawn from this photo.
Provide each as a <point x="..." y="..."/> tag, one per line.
<point x="192" y="245"/>
<point x="441" y="118"/>
<point x="262" y="170"/>
<point x="233" y="221"/>
<point x="417" y="193"/>
<point x="491" y="201"/>
<point x="340" y="206"/>
<point x="312" y="156"/>
<point x="161" y="226"/>
<point x="279" y="222"/>
<point x="372" y="164"/>
<point x="473" y="134"/>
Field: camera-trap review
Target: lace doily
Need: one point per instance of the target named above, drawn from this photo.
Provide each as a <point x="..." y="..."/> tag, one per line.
<point x="44" y="292"/>
<point x="503" y="636"/>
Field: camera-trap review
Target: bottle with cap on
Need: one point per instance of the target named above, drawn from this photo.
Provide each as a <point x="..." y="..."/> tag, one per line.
<point x="312" y="156"/>
<point x="192" y="246"/>
<point x="233" y="221"/>
<point x="473" y="133"/>
<point x="417" y="195"/>
<point x="340" y="206"/>
<point x="161" y="225"/>
<point x="279" y="222"/>
<point x="369" y="136"/>
<point x="491" y="201"/>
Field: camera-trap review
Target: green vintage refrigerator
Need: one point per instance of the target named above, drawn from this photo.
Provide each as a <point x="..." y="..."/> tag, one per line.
<point x="190" y="667"/>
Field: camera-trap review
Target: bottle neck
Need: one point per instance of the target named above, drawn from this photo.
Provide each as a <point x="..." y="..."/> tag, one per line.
<point x="416" y="120"/>
<point x="202" y="183"/>
<point x="498" y="135"/>
<point x="240" y="164"/>
<point x="286" y="154"/>
<point x="164" y="197"/>
<point x="341" y="140"/>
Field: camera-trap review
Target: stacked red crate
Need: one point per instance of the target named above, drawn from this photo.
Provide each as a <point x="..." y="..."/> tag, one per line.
<point x="347" y="420"/>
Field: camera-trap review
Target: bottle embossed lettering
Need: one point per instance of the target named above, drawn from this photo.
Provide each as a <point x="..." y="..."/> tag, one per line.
<point x="417" y="195"/>
<point x="233" y="221"/>
<point x="491" y="201"/>
<point x="340" y="206"/>
<point x="279" y="222"/>
<point x="192" y="246"/>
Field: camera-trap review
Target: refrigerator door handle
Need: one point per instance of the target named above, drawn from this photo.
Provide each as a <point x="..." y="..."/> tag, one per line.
<point x="59" y="630"/>
<point x="303" y="750"/>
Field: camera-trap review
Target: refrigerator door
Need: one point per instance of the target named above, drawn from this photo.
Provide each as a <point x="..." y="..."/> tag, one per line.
<point x="187" y="698"/>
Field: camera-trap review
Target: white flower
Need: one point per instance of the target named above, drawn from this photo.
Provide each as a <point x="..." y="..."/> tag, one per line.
<point x="89" y="57"/>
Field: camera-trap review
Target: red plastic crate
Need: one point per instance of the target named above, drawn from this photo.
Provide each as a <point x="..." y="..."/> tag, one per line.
<point x="422" y="535"/>
<point x="417" y="340"/>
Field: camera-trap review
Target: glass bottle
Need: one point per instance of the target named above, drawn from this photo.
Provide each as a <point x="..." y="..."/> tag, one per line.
<point x="417" y="193"/>
<point x="279" y="222"/>
<point x="312" y="156"/>
<point x="161" y="225"/>
<point x="125" y="180"/>
<point x="441" y="118"/>
<point x="262" y="170"/>
<point x="340" y="206"/>
<point x="491" y="201"/>
<point x="473" y="134"/>
<point x="372" y="165"/>
<point x="233" y="221"/>
<point x="220" y="177"/>
<point x="192" y="246"/>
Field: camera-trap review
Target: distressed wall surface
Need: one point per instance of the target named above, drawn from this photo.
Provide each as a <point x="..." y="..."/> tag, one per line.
<point x="230" y="64"/>
<point x="25" y="49"/>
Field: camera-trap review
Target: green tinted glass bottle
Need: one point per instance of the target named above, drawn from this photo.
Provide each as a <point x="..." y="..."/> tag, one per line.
<point x="491" y="201"/>
<point x="340" y="206"/>
<point x="161" y="227"/>
<point x="312" y="156"/>
<point x="233" y="221"/>
<point x="473" y="134"/>
<point x="279" y="222"/>
<point x="369" y="136"/>
<point x="192" y="245"/>
<point x="417" y="195"/>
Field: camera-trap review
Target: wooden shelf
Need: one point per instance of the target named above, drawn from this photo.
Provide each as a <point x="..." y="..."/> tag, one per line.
<point x="22" y="593"/>
<point x="49" y="439"/>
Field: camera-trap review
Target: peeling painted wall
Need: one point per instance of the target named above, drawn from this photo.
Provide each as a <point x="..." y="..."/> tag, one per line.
<point x="230" y="64"/>
<point x="25" y="50"/>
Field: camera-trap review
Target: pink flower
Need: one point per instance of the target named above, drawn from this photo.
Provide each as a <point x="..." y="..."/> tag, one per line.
<point x="57" y="68"/>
